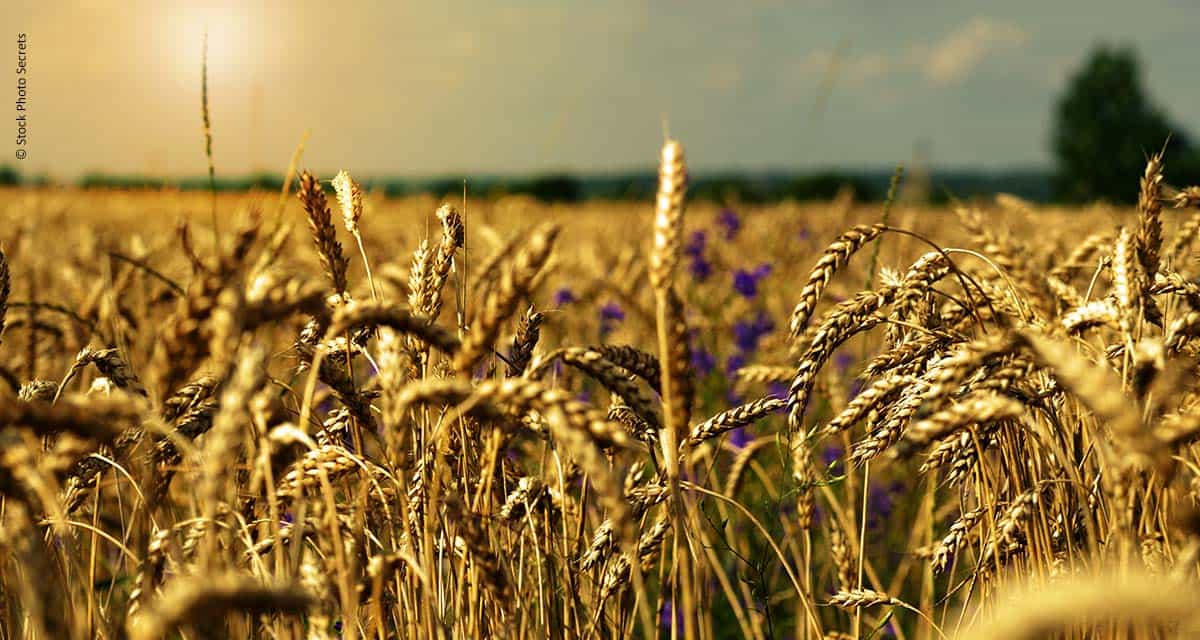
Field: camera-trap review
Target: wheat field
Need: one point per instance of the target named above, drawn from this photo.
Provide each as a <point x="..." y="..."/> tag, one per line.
<point x="323" y="413"/>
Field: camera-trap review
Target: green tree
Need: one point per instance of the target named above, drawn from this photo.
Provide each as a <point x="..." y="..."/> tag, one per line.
<point x="1105" y="126"/>
<point x="9" y="176"/>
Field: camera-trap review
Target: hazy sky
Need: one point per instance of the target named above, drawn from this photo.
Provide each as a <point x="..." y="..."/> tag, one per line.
<point x="474" y="86"/>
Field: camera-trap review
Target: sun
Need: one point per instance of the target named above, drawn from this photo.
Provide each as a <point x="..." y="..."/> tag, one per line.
<point x="228" y="36"/>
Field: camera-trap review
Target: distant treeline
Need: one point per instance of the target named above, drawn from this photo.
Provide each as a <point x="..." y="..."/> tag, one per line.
<point x="748" y="188"/>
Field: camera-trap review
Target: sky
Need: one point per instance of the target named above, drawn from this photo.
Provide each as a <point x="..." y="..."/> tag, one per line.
<point x="474" y="87"/>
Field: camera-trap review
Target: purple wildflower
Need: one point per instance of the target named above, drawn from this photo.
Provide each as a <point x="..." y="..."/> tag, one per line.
<point x="610" y="314"/>
<point x="564" y="296"/>
<point x="778" y="390"/>
<point x="733" y="363"/>
<point x="832" y="457"/>
<point x="746" y="335"/>
<point x="881" y="501"/>
<point x="729" y="221"/>
<point x="700" y="268"/>
<point x="670" y="618"/>
<point x="703" y="362"/>
<point x="745" y="283"/>
<point x="739" y="438"/>
<point x="842" y="362"/>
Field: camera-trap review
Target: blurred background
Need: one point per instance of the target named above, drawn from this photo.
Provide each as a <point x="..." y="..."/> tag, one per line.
<point x="568" y="100"/>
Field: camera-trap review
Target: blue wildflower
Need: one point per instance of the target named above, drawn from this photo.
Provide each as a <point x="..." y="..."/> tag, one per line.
<point x="733" y="363"/>
<point x="698" y="266"/>
<point x="564" y="296"/>
<point x="832" y="457"/>
<point x="842" y="362"/>
<point x="745" y="283"/>
<point x="739" y="438"/>
<point x="703" y="362"/>
<point x="610" y="314"/>
<point x="729" y="221"/>
<point x="778" y="390"/>
<point x="670" y="618"/>
<point x="746" y="335"/>
<point x="881" y="501"/>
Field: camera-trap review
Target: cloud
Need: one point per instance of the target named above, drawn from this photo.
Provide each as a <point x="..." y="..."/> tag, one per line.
<point x="945" y="62"/>
<point x="852" y="70"/>
<point x="963" y="49"/>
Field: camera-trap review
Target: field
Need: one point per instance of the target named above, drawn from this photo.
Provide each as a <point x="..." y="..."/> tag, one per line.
<point x="324" y="413"/>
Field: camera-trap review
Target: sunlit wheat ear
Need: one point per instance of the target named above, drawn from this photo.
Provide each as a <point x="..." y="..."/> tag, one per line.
<point x="517" y="277"/>
<point x="306" y="474"/>
<point x="765" y="374"/>
<point x="1066" y="294"/>
<point x="860" y="598"/>
<point x="841" y="557"/>
<point x="805" y="477"/>
<point x="737" y="468"/>
<point x="980" y="409"/>
<point x="1097" y="313"/>
<point x="640" y="363"/>
<point x="617" y="575"/>
<point x="1135" y="601"/>
<point x="1083" y="252"/>
<point x="349" y="195"/>
<point x="1173" y="282"/>
<point x="1182" y="330"/>
<point x="111" y="364"/>
<point x="612" y="377"/>
<point x="1125" y="273"/>
<point x="38" y="391"/>
<point x="320" y="223"/>
<point x="668" y="215"/>
<point x="432" y="267"/>
<point x="833" y="259"/>
<point x="912" y="352"/>
<point x="190" y="602"/>
<point x="360" y="315"/>
<point x="1149" y="204"/>
<point x="956" y="538"/>
<point x="913" y="301"/>
<point x="867" y="400"/>
<point x="845" y="321"/>
<point x="524" y="341"/>
<point x="731" y="419"/>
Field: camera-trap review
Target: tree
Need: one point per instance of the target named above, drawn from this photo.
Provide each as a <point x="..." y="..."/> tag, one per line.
<point x="9" y="176"/>
<point x="1105" y="127"/>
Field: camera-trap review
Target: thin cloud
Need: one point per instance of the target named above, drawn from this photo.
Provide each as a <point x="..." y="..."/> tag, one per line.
<point x="946" y="62"/>
<point x="963" y="49"/>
